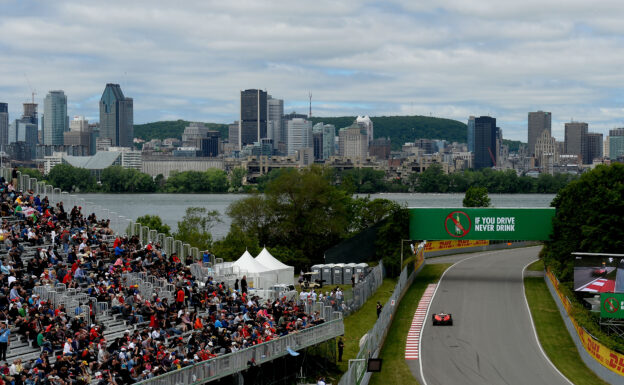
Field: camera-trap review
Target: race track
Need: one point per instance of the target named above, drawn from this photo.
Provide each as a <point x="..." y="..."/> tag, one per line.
<point x="492" y="340"/>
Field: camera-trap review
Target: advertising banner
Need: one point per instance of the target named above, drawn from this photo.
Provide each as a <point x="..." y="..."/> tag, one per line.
<point x="611" y="305"/>
<point x="609" y="358"/>
<point x="526" y="224"/>
<point x="452" y="244"/>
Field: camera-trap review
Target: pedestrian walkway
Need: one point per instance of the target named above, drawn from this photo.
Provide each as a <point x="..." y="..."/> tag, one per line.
<point x="413" y="336"/>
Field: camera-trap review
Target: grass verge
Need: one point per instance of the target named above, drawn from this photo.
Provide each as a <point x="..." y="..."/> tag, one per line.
<point x="554" y="336"/>
<point x="394" y="368"/>
<point x="536" y="266"/>
<point x="360" y="322"/>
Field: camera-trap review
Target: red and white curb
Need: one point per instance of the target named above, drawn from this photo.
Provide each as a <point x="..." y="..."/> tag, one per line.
<point x="413" y="336"/>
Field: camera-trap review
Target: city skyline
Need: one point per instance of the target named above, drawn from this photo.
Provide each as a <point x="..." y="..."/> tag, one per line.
<point x="375" y="58"/>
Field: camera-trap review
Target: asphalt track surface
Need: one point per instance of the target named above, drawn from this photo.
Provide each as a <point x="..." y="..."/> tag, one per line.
<point x="492" y="340"/>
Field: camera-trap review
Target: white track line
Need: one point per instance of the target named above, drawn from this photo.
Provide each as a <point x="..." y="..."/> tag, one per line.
<point x="526" y="301"/>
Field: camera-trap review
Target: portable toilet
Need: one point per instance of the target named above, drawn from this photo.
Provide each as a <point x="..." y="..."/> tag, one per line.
<point x="347" y="272"/>
<point x="337" y="274"/>
<point x="318" y="269"/>
<point x="326" y="273"/>
<point x="361" y="269"/>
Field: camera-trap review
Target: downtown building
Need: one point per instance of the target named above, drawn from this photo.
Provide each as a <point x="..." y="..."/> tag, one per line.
<point x="116" y="117"/>
<point x="23" y="135"/>
<point x="253" y="117"/>
<point x="353" y="142"/>
<point x="324" y="136"/>
<point x="55" y="121"/>
<point x="616" y="144"/>
<point x="538" y="122"/>
<point x="4" y="125"/>
<point x="487" y="139"/>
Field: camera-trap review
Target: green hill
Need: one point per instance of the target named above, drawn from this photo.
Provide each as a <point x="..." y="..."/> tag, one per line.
<point x="171" y="129"/>
<point x="403" y="129"/>
<point x="400" y="129"/>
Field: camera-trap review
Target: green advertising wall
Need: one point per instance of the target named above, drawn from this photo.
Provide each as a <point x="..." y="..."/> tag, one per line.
<point x="530" y="224"/>
<point x="611" y="305"/>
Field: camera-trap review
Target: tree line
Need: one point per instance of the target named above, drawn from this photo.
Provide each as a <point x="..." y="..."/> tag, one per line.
<point x="116" y="179"/>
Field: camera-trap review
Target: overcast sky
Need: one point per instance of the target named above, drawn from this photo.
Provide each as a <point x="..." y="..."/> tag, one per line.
<point x="447" y="58"/>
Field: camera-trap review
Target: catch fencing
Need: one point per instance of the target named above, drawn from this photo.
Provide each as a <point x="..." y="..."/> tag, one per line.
<point x="231" y="363"/>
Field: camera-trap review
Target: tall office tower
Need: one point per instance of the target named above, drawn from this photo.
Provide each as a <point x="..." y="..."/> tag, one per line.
<point x="317" y="140"/>
<point x="538" y="122"/>
<point x="426" y="145"/>
<point x="486" y="134"/>
<point x="55" y="119"/>
<point x="328" y="138"/>
<point x="616" y="143"/>
<point x="4" y="124"/>
<point x="353" y="142"/>
<point x="233" y="135"/>
<point x="116" y="116"/>
<point x="253" y="117"/>
<point x="593" y="147"/>
<point x="575" y="143"/>
<point x="275" y="127"/>
<point x="299" y="134"/>
<point x="367" y="124"/>
<point x="380" y="148"/>
<point x="471" y="127"/>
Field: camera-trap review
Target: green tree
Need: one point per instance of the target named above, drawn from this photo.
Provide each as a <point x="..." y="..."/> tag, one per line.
<point x="476" y="197"/>
<point x="31" y="172"/>
<point x="117" y="179"/>
<point x="69" y="178"/>
<point x="236" y="178"/>
<point x="195" y="226"/>
<point x="588" y="219"/>
<point x="433" y="180"/>
<point x="235" y="243"/>
<point x="154" y="222"/>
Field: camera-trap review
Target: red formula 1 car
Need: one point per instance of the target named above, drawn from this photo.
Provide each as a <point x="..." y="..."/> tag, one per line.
<point x="442" y="319"/>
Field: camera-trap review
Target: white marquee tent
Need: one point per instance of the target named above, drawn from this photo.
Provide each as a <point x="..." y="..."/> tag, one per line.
<point x="258" y="275"/>
<point x="285" y="273"/>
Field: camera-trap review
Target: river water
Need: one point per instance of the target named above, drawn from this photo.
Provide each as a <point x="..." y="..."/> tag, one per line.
<point x="171" y="207"/>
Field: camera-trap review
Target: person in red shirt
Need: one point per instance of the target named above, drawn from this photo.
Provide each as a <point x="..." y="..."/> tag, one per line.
<point x="180" y="298"/>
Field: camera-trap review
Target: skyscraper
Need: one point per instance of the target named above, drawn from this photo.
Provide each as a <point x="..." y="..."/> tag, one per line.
<point x="471" y="127"/>
<point x="593" y="147"/>
<point x="253" y="117"/>
<point x="537" y="122"/>
<point x="486" y="133"/>
<point x="367" y="124"/>
<point x="55" y="119"/>
<point x="299" y="134"/>
<point x="616" y="143"/>
<point x="4" y="124"/>
<point x="353" y="142"/>
<point x="275" y="126"/>
<point x="328" y="135"/>
<point x="575" y="142"/>
<point x="116" y="116"/>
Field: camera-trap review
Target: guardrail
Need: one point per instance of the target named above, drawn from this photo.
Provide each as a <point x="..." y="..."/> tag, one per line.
<point x="231" y="363"/>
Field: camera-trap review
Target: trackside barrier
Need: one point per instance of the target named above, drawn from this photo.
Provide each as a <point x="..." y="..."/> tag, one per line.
<point x="356" y="374"/>
<point x="605" y="356"/>
<point x="231" y="363"/>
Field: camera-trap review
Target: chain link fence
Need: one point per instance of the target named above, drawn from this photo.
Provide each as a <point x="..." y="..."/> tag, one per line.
<point x="374" y="338"/>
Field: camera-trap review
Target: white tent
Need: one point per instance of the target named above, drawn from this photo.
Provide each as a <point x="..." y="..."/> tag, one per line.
<point x="258" y="275"/>
<point x="285" y="273"/>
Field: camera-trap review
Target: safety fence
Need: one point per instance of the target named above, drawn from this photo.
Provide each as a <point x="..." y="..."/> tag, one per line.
<point x="76" y="303"/>
<point x="354" y="299"/>
<point x="605" y="356"/>
<point x="375" y="337"/>
<point x="231" y="363"/>
<point x="148" y="285"/>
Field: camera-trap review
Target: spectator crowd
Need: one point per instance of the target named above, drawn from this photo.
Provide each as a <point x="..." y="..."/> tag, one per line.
<point x="47" y="244"/>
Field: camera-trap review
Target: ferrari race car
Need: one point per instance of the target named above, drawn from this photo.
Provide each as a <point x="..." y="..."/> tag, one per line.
<point x="442" y="319"/>
<point x="599" y="272"/>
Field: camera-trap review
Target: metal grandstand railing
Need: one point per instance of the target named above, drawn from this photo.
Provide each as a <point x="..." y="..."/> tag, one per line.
<point x="228" y="364"/>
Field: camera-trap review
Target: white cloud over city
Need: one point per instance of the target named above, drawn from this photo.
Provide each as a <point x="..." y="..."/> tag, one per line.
<point x="452" y="58"/>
